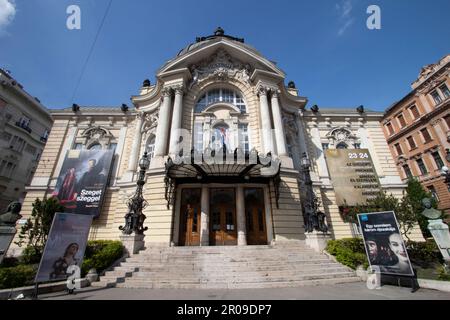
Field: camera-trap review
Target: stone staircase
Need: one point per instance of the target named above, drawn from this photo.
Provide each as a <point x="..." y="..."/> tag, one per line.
<point x="230" y="267"/>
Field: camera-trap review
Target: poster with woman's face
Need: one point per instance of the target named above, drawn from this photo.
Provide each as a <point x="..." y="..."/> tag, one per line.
<point x="65" y="246"/>
<point x="384" y="244"/>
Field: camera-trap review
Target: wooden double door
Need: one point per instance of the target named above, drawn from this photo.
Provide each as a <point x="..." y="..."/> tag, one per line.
<point x="190" y="214"/>
<point x="222" y="217"/>
<point x="255" y="216"/>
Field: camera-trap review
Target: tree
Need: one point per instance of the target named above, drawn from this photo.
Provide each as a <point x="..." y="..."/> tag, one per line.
<point x="35" y="231"/>
<point x="403" y="209"/>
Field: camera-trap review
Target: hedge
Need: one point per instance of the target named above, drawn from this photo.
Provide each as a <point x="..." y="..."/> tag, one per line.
<point x="100" y="254"/>
<point x="18" y="276"/>
<point x="348" y="251"/>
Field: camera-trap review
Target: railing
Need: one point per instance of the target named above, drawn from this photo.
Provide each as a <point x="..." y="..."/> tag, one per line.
<point x="23" y="126"/>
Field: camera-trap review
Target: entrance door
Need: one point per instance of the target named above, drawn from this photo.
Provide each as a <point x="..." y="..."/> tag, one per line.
<point x="190" y="214"/>
<point x="255" y="216"/>
<point x="222" y="228"/>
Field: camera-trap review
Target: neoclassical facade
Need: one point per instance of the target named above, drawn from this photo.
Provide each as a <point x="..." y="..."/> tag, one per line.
<point x="226" y="138"/>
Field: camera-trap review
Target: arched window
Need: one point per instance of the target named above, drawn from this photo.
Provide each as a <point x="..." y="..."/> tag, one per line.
<point x="220" y="95"/>
<point x="95" y="146"/>
<point x="150" y="147"/>
<point x="342" y="145"/>
<point x="220" y="137"/>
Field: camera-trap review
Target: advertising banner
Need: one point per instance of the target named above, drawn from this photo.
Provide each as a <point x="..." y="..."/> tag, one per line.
<point x="83" y="179"/>
<point x="384" y="244"/>
<point x="353" y="175"/>
<point x="65" y="246"/>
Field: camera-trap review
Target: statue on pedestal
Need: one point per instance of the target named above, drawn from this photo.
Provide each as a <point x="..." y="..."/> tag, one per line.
<point x="429" y="212"/>
<point x="10" y="217"/>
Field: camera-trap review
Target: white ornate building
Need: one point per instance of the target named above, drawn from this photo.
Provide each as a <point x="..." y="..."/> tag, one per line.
<point x="217" y="93"/>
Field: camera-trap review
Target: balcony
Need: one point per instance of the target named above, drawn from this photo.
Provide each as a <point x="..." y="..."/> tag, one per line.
<point x="23" y="126"/>
<point x="44" y="139"/>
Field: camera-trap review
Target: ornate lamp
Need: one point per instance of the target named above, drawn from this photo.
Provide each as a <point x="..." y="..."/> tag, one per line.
<point x="314" y="219"/>
<point x="134" y="219"/>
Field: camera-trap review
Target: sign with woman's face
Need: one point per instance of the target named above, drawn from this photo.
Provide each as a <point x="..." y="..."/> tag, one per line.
<point x="65" y="246"/>
<point x="384" y="244"/>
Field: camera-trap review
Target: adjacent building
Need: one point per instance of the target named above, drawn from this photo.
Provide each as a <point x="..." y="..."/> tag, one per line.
<point x="417" y="129"/>
<point x="24" y="128"/>
<point x="220" y="96"/>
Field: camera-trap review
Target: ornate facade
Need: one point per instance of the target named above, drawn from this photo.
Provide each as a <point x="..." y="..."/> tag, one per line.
<point x="226" y="138"/>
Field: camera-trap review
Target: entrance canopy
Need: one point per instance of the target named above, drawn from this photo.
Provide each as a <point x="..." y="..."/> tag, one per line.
<point x="220" y="166"/>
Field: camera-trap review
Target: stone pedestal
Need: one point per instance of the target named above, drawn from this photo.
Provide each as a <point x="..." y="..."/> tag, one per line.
<point x="441" y="235"/>
<point x="133" y="243"/>
<point x="317" y="240"/>
<point x="6" y="236"/>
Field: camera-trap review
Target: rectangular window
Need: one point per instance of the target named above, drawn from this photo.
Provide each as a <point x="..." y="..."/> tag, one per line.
<point x="198" y="137"/>
<point x="422" y="167"/>
<point x="243" y="138"/>
<point x="411" y="142"/>
<point x="401" y="120"/>
<point x="415" y="112"/>
<point x="437" y="159"/>
<point x="436" y="97"/>
<point x="407" y="171"/>
<point x="433" y="192"/>
<point x="444" y="90"/>
<point x="390" y="128"/>
<point x="398" y="148"/>
<point x="426" y="135"/>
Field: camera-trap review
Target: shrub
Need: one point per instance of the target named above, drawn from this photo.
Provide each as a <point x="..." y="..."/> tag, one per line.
<point x="9" y="262"/>
<point x="100" y="255"/>
<point x="18" y="276"/>
<point x="31" y="255"/>
<point x="424" y="254"/>
<point x="444" y="274"/>
<point x="349" y="252"/>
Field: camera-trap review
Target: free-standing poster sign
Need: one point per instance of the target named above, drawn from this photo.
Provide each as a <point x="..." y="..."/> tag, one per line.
<point x="83" y="179"/>
<point x="384" y="244"/>
<point x="65" y="246"/>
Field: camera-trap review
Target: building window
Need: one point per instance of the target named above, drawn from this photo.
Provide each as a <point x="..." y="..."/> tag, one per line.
<point x="7" y="169"/>
<point x="325" y="146"/>
<point x="220" y="95"/>
<point x="198" y="137"/>
<point x="415" y="112"/>
<point x="426" y="135"/>
<point x="407" y="171"/>
<point x="220" y="137"/>
<point x="444" y="90"/>
<point x="437" y="159"/>
<point x="398" y="148"/>
<point x="411" y="142"/>
<point x="150" y="148"/>
<point x="244" y="143"/>
<point x="17" y="144"/>
<point x="401" y="120"/>
<point x="447" y="120"/>
<point x="422" y="167"/>
<point x="342" y="145"/>
<point x="390" y="128"/>
<point x="436" y="97"/>
<point x="357" y="145"/>
<point x="433" y="192"/>
<point x="5" y="136"/>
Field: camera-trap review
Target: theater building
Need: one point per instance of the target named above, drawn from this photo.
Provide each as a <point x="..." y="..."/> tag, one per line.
<point x="235" y="175"/>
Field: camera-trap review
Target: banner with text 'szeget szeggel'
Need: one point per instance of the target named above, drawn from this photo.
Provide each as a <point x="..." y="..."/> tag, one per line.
<point x="384" y="244"/>
<point x="83" y="179"/>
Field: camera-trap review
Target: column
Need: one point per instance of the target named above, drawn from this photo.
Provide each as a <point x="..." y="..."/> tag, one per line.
<point x="301" y="133"/>
<point x="136" y="143"/>
<point x="240" y="208"/>
<point x="204" y="218"/>
<point x="266" y="128"/>
<point x="162" y="131"/>
<point x="278" y="124"/>
<point x="176" y="120"/>
<point x="321" y="162"/>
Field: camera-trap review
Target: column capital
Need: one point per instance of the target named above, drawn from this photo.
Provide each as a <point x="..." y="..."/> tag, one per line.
<point x="275" y="93"/>
<point x="166" y="91"/>
<point x="179" y="89"/>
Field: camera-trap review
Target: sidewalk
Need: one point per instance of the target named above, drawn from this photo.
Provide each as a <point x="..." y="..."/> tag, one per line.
<point x="349" y="291"/>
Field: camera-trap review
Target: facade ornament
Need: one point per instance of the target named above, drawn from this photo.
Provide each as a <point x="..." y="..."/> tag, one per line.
<point x="150" y="122"/>
<point x="341" y="134"/>
<point x="11" y="215"/>
<point x="290" y="124"/>
<point x="222" y="67"/>
<point x="95" y="135"/>
<point x="166" y="92"/>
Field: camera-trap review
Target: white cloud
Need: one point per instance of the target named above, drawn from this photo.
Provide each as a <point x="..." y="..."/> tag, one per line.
<point x="7" y="12"/>
<point x="344" y="9"/>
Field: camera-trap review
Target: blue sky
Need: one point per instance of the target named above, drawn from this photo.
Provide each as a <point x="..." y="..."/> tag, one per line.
<point x="324" y="46"/>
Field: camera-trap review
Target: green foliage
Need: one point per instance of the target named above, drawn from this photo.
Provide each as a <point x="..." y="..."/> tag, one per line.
<point x="9" y="262"/>
<point x="31" y="255"/>
<point x="349" y="252"/>
<point x="424" y="254"/>
<point x="100" y="255"/>
<point x="444" y="274"/>
<point x="35" y="231"/>
<point x="18" y="276"/>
